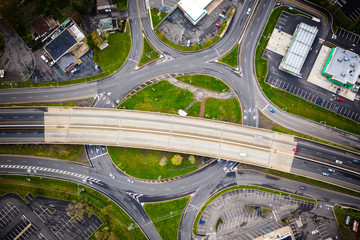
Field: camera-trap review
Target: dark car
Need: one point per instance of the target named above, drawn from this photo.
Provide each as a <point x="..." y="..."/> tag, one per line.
<point x="169" y="19"/>
<point x="303" y="188"/>
<point x="318" y="100"/>
<point x="338" y="91"/>
<point x="202" y="222"/>
<point x="356" y="161"/>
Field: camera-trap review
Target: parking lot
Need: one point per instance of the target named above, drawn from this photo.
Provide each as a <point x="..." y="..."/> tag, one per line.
<point x="43" y="218"/>
<point x="345" y="39"/>
<point x="239" y="223"/>
<point x="180" y="30"/>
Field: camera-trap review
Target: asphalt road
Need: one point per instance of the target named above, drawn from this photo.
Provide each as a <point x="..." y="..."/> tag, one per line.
<point x="211" y="179"/>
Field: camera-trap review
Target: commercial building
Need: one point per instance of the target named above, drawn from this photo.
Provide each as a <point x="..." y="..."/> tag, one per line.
<point x="342" y="67"/>
<point x="194" y="10"/>
<point x="299" y="48"/>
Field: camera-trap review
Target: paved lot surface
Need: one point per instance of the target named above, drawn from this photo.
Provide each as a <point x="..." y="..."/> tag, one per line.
<point x="167" y="4"/>
<point x="299" y="86"/>
<point x="345" y="39"/>
<point x="17" y="60"/>
<point x="180" y="30"/>
<point x="42" y="217"/>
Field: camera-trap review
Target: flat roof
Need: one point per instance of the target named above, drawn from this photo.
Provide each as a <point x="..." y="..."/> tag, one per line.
<point x="194" y="9"/>
<point x="66" y="61"/>
<point x="299" y="48"/>
<point x="77" y="32"/>
<point x="60" y="45"/>
<point x="344" y="66"/>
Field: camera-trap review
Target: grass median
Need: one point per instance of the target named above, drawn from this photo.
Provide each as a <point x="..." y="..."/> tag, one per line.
<point x="116" y="222"/>
<point x="166" y="216"/>
<point x="58" y="151"/>
<point x="231" y="58"/>
<point x="211" y="199"/>
<point x="288" y="102"/>
<point x="121" y="4"/>
<point x="149" y="54"/>
<point x="205" y="81"/>
<point x="152" y="164"/>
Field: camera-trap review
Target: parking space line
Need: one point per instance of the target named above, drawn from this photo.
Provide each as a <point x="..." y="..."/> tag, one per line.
<point x="340" y="110"/>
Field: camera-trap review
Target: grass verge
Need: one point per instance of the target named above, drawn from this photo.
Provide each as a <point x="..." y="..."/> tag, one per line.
<point x="115" y="220"/>
<point x="245" y="187"/>
<point x="121" y="4"/>
<point x="149" y="54"/>
<point x="346" y="229"/>
<point x="166" y="216"/>
<point x="145" y="164"/>
<point x="157" y="16"/>
<point x="205" y="81"/>
<point x="59" y="151"/>
<point x="110" y="60"/>
<point x="291" y="103"/>
<point x="231" y="58"/>
<point x="312" y="182"/>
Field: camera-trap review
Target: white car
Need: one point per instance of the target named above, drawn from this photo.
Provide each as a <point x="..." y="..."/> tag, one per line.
<point x="130" y="180"/>
<point x="74" y="70"/>
<point x="44" y="58"/>
<point x="339" y="162"/>
<point x="51" y="63"/>
<point x="108" y="93"/>
<point x="315" y="232"/>
<point x="112" y="176"/>
<point x="248" y="11"/>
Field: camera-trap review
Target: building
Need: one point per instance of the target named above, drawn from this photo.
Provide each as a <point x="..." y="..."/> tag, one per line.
<point x="194" y="10"/>
<point x="342" y="67"/>
<point x="60" y="45"/>
<point x="66" y="62"/>
<point x="295" y="56"/>
<point x="105" y="5"/>
<point x="108" y="24"/>
<point x="40" y="26"/>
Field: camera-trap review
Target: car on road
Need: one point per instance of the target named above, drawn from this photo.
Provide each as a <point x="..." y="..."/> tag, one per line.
<point x="331" y="170"/>
<point x="248" y="11"/>
<point x="339" y="99"/>
<point x="338" y="161"/>
<point x="117" y="101"/>
<point x="338" y="91"/>
<point x="295" y="150"/>
<point x="303" y="188"/>
<point x="271" y="110"/>
<point x="325" y="174"/>
<point x="218" y="25"/>
<point x="112" y="176"/>
<point x="356" y="161"/>
<point x="318" y="101"/>
<point x="130" y="180"/>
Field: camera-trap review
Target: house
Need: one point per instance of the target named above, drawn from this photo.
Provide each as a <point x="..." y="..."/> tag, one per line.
<point x="108" y="24"/>
<point x="40" y="26"/>
<point x="105" y="5"/>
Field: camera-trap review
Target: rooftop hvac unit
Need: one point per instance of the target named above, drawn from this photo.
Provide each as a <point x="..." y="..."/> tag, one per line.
<point x="343" y="74"/>
<point x="339" y="59"/>
<point x="352" y="65"/>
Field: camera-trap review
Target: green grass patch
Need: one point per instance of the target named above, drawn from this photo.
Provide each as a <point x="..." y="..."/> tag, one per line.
<point x="209" y="201"/>
<point x="115" y="220"/>
<point x="149" y="54"/>
<point x="291" y="103"/>
<point x="346" y="230"/>
<point x="204" y="81"/>
<point x="145" y="164"/>
<point x="281" y="129"/>
<point x="231" y="58"/>
<point x="223" y="109"/>
<point x="166" y="216"/>
<point x="59" y="151"/>
<point x="156" y="19"/>
<point x="159" y="97"/>
<point x="312" y="182"/>
<point x="121" y="4"/>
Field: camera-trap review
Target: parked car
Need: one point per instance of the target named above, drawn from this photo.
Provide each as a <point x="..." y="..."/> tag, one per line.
<point x="295" y="150"/>
<point x="331" y="170"/>
<point x="44" y="58"/>
<point x="169" y="19"/>
<point x="325" y="174"/>
<point x="271" y="110"/>
<point x="218" y="25"/>
<point x="117" y="101"/>
<point x="338" y="91"/>
<point x="339" y="99"/>
<point x="356" y="161"/>
<point x="339" y="162"/>
<point x="51" y="63"/>
<point x="188" y="43"/>
<point x="202" y="222"/>
<point x="223" y="11"/>
<point x="74" y="70"/>
<point x="303" y="188"/>
<point x="222" y="16"/>
<point x="315" y="232"/>
<point x="335" y="109"/>
<point x="318" y="101"/>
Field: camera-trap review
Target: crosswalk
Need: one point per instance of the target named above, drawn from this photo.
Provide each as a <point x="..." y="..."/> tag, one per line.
<point x="33" y="169"/>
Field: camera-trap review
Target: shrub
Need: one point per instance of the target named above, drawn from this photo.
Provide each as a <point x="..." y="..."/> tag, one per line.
<point x="192" y="159"/>
<point x="176" y="159"/>
<point x="163" y="161"/>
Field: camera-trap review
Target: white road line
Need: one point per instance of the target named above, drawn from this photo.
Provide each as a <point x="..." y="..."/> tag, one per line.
<point x="98" y="156"/>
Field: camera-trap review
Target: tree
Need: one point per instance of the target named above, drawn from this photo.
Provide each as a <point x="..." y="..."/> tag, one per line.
<point x="177" y="159"/>
<point x="99" y="38"/>
<point x="8" y="7"/>
<point x="163" y="161"/>
<point x="192" y="159"/>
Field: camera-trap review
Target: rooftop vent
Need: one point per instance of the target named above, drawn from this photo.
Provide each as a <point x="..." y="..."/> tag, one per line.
<point x="343" y="74"/>
<point x="340" y="59"/>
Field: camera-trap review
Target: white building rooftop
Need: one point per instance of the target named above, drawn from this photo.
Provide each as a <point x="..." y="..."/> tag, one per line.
<point x="300" y="46"/>
<point x="194" y="10"/>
